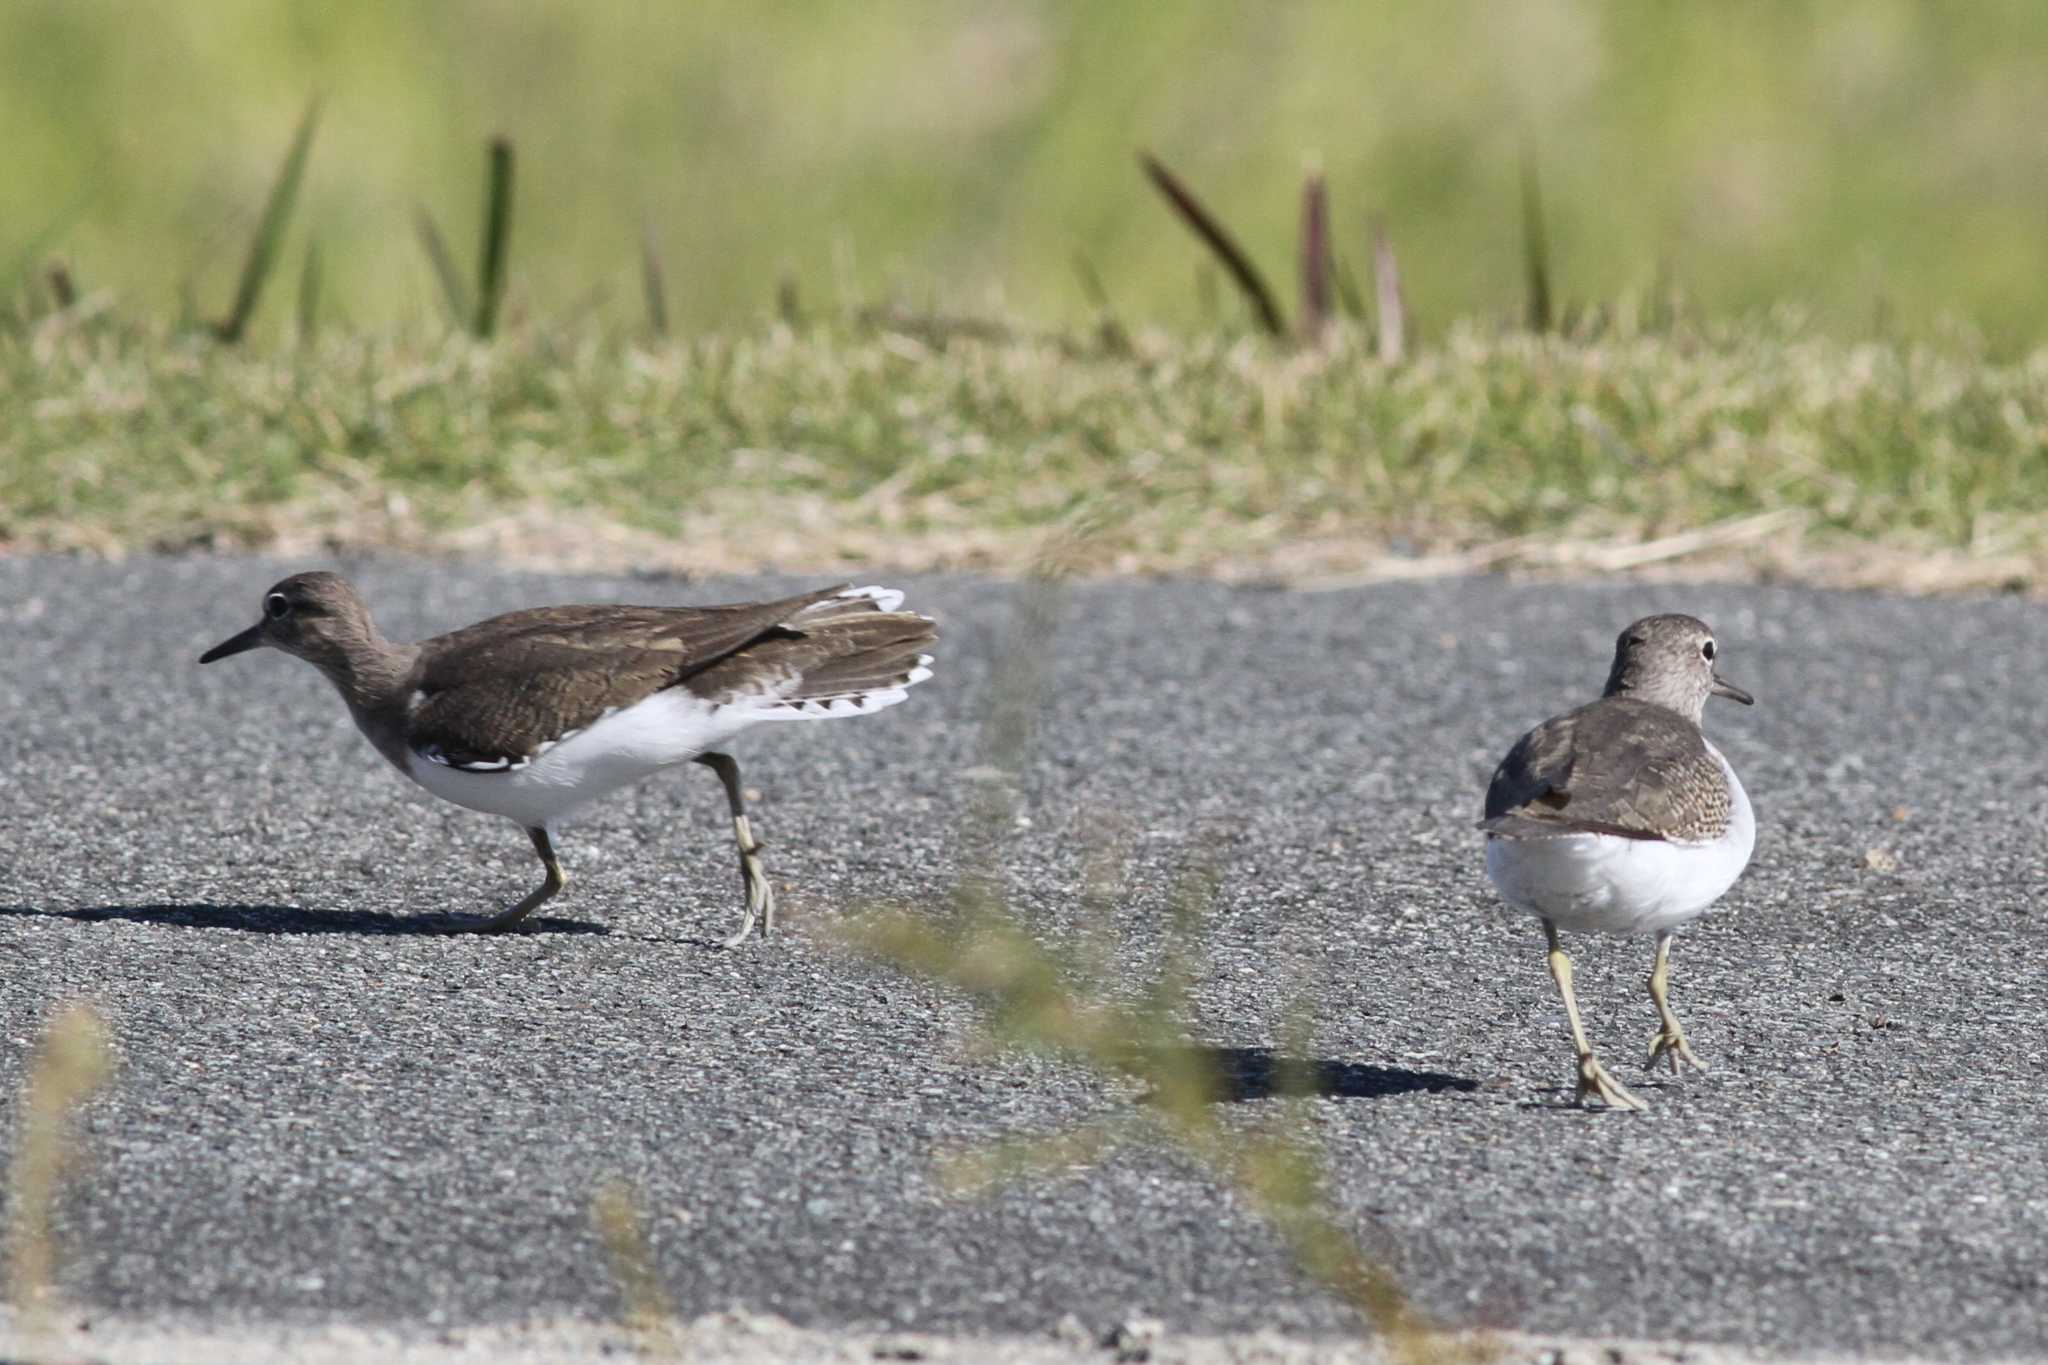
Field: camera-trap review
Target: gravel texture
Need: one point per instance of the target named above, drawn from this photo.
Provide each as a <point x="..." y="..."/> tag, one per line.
<point x="324" y="1118"/>
<point x="736" y="1337"/>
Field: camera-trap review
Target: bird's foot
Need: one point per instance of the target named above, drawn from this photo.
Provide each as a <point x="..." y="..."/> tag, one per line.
<point x="760" y="905"/>
<point x="505" y="920"/>
<point x="1594" y="1080"/>
<point x="1669" y="1041"/>
<point x="484" y="924"/>
<point x="760" y="893"/>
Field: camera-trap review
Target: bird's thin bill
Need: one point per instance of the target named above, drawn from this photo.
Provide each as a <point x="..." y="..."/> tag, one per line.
<point x="1724" y="688"/>
<point x="234" y="644"/>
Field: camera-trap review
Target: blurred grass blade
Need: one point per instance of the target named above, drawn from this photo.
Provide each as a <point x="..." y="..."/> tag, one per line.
<point x="1662" y="303"/>
<point x="1387" y="297"/>
<point x="788" y="307"/>
<point x="1315" y="257"/>
<point x="1105" y="851"/>
<point x="270" y="229"/>
<point x="72" y="1061"/>
<point x="63" y="289"/>
<point x="309" y="291"/>
<point x="1287" y="1185"/>
<point x="653" y="281"/>
<point x="1194" y="896"/>
<point x="1028" y="996"/>
<point x="1185" y="1080"/>
<point x="454" y="293"/>
<point x="1091" y="282"/>
<point x="1205" y="226"/>
<point x="40" y="243"/>
<point x="977" y="1170"/>
<point x="497" y="233"/>
<point x="1535" y="245"/>
<point x="1108" y="327"/>
<point x="616" y="1215"/>
<point x="1349" y="297"/>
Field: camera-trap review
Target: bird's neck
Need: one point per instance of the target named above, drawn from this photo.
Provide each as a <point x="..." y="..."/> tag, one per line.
<point x="374" y="676"/>
<point x="1683" y="701"/>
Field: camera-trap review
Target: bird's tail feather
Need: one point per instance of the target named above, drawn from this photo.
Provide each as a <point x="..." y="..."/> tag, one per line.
<point x="851" y="654"/>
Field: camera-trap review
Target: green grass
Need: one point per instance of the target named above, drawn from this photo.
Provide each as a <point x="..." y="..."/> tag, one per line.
<point x="1881" y="155"/>
<point x="843" y="442"/>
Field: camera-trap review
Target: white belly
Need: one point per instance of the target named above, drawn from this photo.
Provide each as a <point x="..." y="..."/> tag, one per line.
<point x="1605" y="884"/>
<point x="659" y="732"/>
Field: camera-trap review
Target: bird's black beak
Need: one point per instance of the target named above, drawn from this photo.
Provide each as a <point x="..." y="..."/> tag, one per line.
<point x="1722" y="687"/>
<point x="252" y="638"/>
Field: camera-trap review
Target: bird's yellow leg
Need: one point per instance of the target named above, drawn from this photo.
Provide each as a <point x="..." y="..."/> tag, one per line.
<point x="760" y="896"/>
<point x="552" y="882"/>
<point x="1593" y="1078"/>
<point x="1669" y="1039"/>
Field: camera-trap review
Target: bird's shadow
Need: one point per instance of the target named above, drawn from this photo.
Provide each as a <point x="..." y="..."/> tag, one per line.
<point x="293" y="919"/>
<point x="1239" y="1075"/>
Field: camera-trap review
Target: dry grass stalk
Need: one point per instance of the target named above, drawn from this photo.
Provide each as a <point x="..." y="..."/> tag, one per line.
<point x="309" y="292"/>
<point x="1315" y="258"/>
<point x="73" y="1060"/>
<point x="1615" y="558"/>
<point x="653" y="281"/>
<point x="1535" y="246"/>
<point x="1392" y="307"/>
<point x="63" y="290"/>
<point x="616" y="1214"/>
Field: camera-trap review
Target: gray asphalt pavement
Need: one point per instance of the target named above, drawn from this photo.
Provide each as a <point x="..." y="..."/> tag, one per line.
<point x="321" y="1113"/>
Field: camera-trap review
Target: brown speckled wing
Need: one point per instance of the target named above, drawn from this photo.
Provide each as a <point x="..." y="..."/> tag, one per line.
<point x="1617" y="766"/>
<point x="844" y="657"/>
<point x="493" y="694"/>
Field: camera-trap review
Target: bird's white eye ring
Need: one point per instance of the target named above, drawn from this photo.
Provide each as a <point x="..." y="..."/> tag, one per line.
<point x="1707" y="651"/>
<point x="277" y="606"/>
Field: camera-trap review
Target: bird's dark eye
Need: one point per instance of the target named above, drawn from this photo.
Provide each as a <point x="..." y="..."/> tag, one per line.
<point x="1707" y="651"/>
<point x="277" y="606"/>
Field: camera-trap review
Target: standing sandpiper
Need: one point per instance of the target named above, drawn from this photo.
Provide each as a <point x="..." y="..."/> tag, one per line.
<point x="533" y="714"/>
<point x="1621" y="818"/>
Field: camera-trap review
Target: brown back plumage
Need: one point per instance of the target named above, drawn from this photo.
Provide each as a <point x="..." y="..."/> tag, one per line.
<point x="505" y="687"/>
<point x="1615" y="766"/>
